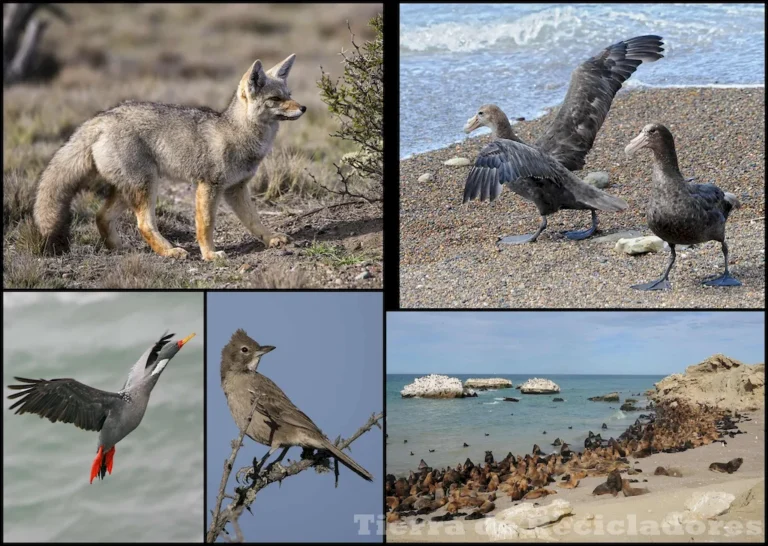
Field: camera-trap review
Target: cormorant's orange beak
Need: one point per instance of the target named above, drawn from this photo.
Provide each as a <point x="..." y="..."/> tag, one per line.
<point x="181" y="343"/>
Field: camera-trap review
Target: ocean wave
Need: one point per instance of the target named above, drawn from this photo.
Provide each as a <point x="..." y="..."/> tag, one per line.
<point x="545" y="26"/>
<point x="618" y="415"/>
<point x="491" y="403"/>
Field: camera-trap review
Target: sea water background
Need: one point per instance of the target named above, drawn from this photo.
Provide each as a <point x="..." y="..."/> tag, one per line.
<point x="444" y="425"/>
<point x="155" y="491"/>
<point x="456" y="57"/>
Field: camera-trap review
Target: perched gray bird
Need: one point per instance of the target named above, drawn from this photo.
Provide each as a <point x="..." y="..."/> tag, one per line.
<point x="277" y="423"/>
<point x="113" y="414"/>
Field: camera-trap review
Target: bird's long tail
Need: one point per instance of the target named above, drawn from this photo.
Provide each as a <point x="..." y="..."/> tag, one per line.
<point x="347" y="461"/>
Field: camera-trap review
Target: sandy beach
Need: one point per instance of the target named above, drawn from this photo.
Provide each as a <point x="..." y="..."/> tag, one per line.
<point x="608" y="519"/>
<point x="449" y="256"/>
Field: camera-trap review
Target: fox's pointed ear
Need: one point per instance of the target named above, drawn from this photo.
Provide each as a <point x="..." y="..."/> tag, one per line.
<point x="281" y="70"/>
<point x="253" y="80"/>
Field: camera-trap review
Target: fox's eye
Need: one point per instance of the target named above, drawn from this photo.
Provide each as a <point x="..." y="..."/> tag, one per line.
<point x="275" y="99"/>
<point x="244" y="349"/>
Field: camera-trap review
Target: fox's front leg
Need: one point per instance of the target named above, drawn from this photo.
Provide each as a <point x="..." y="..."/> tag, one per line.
<point x="206" y="202"/>
<point x="239" y="199"/>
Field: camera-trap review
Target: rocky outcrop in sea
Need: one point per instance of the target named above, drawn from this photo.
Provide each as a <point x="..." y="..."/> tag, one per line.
<point x="483" y="384"/>
<point x="436" y="386"/>
<point x="539" y="386"/>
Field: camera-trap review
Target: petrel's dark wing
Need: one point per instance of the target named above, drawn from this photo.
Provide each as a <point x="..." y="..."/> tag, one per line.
<point x="65" y="401"/>
<point x="593" y="85"/>
<point x="509" y="162"/>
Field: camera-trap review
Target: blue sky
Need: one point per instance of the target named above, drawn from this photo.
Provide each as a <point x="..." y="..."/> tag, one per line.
<point x="328" y="360"/>
<point x="568" y="342"/>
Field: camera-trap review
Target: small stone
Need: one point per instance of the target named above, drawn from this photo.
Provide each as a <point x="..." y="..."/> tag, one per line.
<point x="457" y="162"/>
<point x="639" y="245"/>
<point x="286" y="252"/>
<point x="426" y="177"/>
<point x="364" y="275"/>
<point x="598" y="179"/>
<point x="243" y="268"/>
<point x="192" y="270"/>
<point x="338" y="281"/>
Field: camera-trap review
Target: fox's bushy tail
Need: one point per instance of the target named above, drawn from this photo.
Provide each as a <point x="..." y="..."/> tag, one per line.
<point x="65" y="175"/>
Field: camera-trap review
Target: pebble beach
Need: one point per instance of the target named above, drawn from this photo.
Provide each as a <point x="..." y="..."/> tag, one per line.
<point x="448" y="252"/>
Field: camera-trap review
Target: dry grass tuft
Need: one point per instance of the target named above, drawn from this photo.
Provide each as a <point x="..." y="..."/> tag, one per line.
<point x="26" y="271"/>
<point x="141" y="271"/>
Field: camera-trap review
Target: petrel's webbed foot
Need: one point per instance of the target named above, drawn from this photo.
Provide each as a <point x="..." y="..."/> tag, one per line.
<point x="521" y="239"/>
<point x="661" y="284"/>
<point x="723" y="280"/>
<point x="580" y="235"/>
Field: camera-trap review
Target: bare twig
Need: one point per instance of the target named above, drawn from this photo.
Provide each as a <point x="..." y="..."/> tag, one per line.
<point x="228" y="464"/>
<point x="271" y="474"/>
<point x="320" y="209"/>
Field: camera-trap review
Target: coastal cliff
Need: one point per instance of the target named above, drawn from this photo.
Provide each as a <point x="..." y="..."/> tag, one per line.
<point x="718" y="381"/>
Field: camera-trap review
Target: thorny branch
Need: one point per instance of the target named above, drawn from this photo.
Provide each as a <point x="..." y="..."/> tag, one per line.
<point x="228" y="469"/>
<point x="345" y="181"/>
<point x="267" y="475"/>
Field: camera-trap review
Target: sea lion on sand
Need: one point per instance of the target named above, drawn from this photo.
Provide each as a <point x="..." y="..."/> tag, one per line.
<point x="538" y="493"/>
<point x="612" y="485"/>
<point x="672" y="472"/>
<point x="431" y="450"/>
<point x="604" y="427"/>
<point x="730" y="467"/>
<point x="466" y="444"/>
<point x="632" y="491"/>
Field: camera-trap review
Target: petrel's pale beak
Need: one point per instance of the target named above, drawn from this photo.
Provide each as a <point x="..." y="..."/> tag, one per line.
<point x="472" y="124"/>
<point x="636" y="144"/>
<point x="181" y="343"/>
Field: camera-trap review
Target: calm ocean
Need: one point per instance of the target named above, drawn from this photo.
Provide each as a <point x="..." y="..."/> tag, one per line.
<point x="444" y="425"/>
<point x="456" y="57"/>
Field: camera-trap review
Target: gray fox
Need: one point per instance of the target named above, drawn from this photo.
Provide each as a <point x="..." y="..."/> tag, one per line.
<point x="136" y="143"/>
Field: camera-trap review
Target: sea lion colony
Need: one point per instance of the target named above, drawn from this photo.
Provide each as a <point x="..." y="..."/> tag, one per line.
<point x="675" y="426"/>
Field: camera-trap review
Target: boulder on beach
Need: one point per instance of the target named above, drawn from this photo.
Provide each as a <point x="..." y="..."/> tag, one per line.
<point x="483" y="384"/>
<point x="598" y="179"/>
<point x="436" y="386"/>
<point x="639" y="245"/>
<point x="538" y="385"/>
<point x="701" y="505"/>
<point x="528" y="516"/>
<point x="457" y="162"/>
<point x="718" y="381"/>
<point x="610" y="397"/>
<point x="628" y="406"/>
<point x="510" y="399"/>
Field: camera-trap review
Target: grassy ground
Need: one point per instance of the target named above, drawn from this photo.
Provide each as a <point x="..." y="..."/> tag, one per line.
<point x="192" y="54"/>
